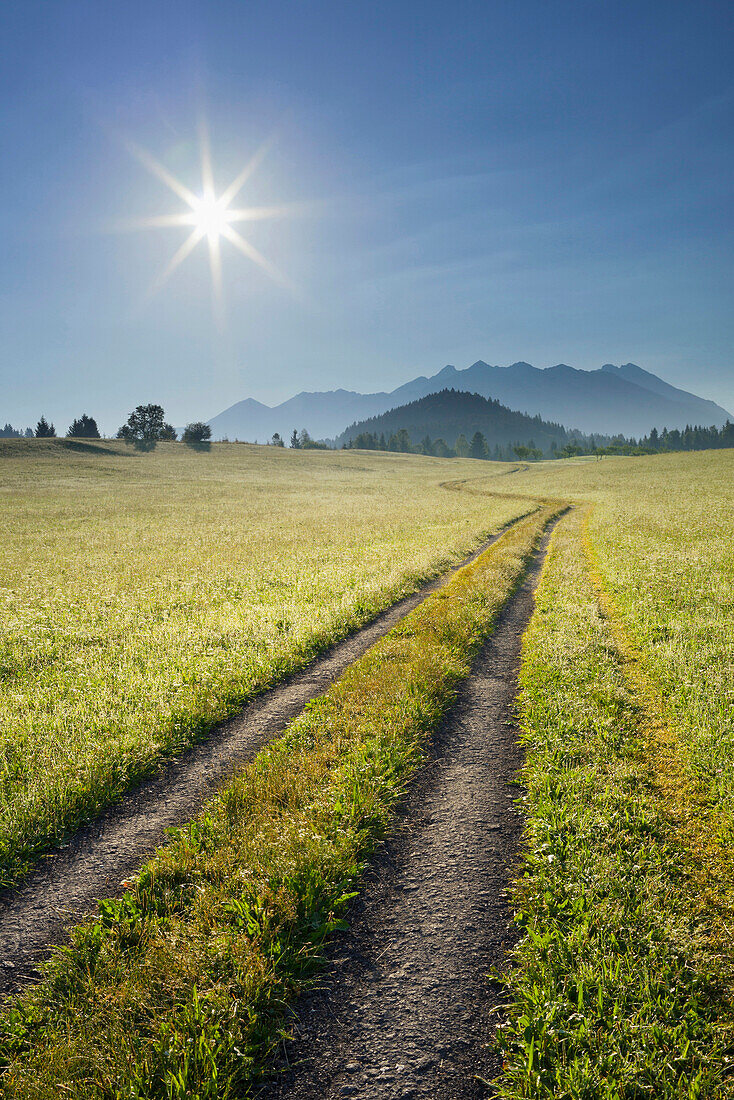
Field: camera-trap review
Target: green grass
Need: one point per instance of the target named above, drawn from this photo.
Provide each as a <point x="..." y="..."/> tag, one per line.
<point x="145" y="597"/>
<point x="619" y="987"/>
<point x="180" y="988"/>
<point x="661" y="529"/>
<point x="148" y="596"/>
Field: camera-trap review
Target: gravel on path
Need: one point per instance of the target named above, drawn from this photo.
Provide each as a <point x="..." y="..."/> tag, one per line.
<point x="66" y="883"/>
<point x="406" y="1007"/>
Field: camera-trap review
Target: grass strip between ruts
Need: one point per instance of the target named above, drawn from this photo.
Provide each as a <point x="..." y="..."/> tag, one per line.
<point x="180" y="988"/>
<point x="619" y="990"/>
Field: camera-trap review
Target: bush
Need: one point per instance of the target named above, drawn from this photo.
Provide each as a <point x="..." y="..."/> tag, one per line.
<point x="197" y="435"/>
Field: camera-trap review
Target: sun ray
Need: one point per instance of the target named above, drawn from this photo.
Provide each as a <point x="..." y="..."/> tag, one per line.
<point x="252" y="253"/>
<point x="259" y="213"/>
<point x="215" y="264"/>
<point x="162" y="173"/>
<point x="210" y="216"/>
<point x="157" y="221"/>
<point x="177" y="259"/>
<point x="207" y="172"/>
<point x="252" y="165"/>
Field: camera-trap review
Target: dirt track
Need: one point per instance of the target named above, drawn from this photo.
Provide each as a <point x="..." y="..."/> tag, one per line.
<point x="407" y="1008"/>
<point x="66" y="883"/>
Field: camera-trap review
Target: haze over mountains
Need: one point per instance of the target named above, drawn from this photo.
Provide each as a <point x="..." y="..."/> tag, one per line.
<point x="611" y="400"/>
<point x="449" y="413"/>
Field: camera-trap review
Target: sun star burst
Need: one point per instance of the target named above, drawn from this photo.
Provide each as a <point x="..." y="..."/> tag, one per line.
<point x="209" y="216"/>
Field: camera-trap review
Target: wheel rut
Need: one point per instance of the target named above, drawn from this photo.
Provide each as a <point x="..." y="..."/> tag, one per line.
<point x="406" y="1007"/>
<point x="66" y="883"/>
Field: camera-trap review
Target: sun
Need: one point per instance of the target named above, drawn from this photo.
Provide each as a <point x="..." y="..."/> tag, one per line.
<point x="209" y="217"/>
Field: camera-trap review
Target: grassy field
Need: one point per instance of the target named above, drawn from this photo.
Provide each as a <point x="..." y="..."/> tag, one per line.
<point x="179" y="988"/>
<point x="621" y="985"/>
<point x="660" y="533"/>
<point x="624" y="981"/>
<point x="145" y="597"/>
<point x="148" y="596"/>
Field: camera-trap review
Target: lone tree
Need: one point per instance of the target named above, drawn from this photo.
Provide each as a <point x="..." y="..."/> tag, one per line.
<point x="197" y="435"/>
<point x="44" y="430"/>
<point x="144" y="427"/>
<point x="85" y="427"/>
<point x="277" y="440"/>
<point x="462" y="446"/>
<point x="295" y="441"/>
<point x="478" y="446"/>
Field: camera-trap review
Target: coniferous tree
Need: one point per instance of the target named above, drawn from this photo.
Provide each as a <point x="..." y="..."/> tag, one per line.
<point x="44" y="430"/>
<point x="478" y="447"/>
<point x="462" y="446"/>
<point x="84" y="427"/>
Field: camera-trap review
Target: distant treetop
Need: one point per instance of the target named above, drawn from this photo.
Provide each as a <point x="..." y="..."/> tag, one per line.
<point x="85" y="427"/>
<point x="144" y="427"/>
<point x="44" y="430"/>
<point x="197" y="434"/>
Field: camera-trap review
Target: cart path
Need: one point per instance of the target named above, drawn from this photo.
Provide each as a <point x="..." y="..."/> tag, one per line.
<point x="406" y="1007"/>
<point x="66" y="883"/>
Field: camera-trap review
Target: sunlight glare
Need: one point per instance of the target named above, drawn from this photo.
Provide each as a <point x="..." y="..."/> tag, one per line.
<point x="210" y="218"/>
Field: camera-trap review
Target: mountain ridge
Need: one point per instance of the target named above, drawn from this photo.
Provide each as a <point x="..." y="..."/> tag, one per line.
<point x="613" y="399"/>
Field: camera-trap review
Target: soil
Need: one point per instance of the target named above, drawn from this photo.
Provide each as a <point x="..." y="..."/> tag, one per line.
<point x="406" y="1007"/>
<point x="66" y="883"/>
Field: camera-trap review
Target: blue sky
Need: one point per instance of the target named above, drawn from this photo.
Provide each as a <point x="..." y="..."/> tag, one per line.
<point x="532" y="180"/>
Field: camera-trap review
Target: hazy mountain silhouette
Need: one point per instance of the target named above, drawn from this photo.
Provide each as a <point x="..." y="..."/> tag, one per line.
<point x="450" y="413"/>
<point x="624" y="399"/>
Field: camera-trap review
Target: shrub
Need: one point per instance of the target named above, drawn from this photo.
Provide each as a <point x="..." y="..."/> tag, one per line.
<point x="197" y="435"/>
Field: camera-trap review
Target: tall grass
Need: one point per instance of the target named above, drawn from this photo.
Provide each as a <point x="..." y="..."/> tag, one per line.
<point x="180" y="988"/>
<point x="619" y="987"/>
<point x="145" y="597"/>
<point x="661" y="530"/>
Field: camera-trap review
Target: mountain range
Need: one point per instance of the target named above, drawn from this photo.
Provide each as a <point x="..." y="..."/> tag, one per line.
<point x="611" y="400"/>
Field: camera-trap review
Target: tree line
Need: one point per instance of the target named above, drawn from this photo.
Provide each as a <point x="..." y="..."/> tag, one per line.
<point x="477" y="447"/>
<point x="300" y="441"/>
<point x="686" y="439"/>
<point x="83" y="427"/>
<point x="144" y="428"/>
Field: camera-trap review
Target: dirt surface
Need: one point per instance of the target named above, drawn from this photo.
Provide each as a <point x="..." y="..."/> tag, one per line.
<point x="406" y="1007"/>
<point x="67" y="881"/>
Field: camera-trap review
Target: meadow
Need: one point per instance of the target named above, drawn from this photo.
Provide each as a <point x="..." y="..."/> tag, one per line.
<point x="151" y="595"/>
<point x="145" y="597"/>
<point x="623" y="983"/>
<point x="180" y="988"/>
<point x="660" y="534"/>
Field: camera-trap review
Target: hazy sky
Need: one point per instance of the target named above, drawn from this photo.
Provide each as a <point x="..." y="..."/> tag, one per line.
<point x="546" y="181"/>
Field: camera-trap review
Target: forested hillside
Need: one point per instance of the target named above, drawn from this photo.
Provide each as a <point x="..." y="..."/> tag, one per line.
<point x="450" y="415"/>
